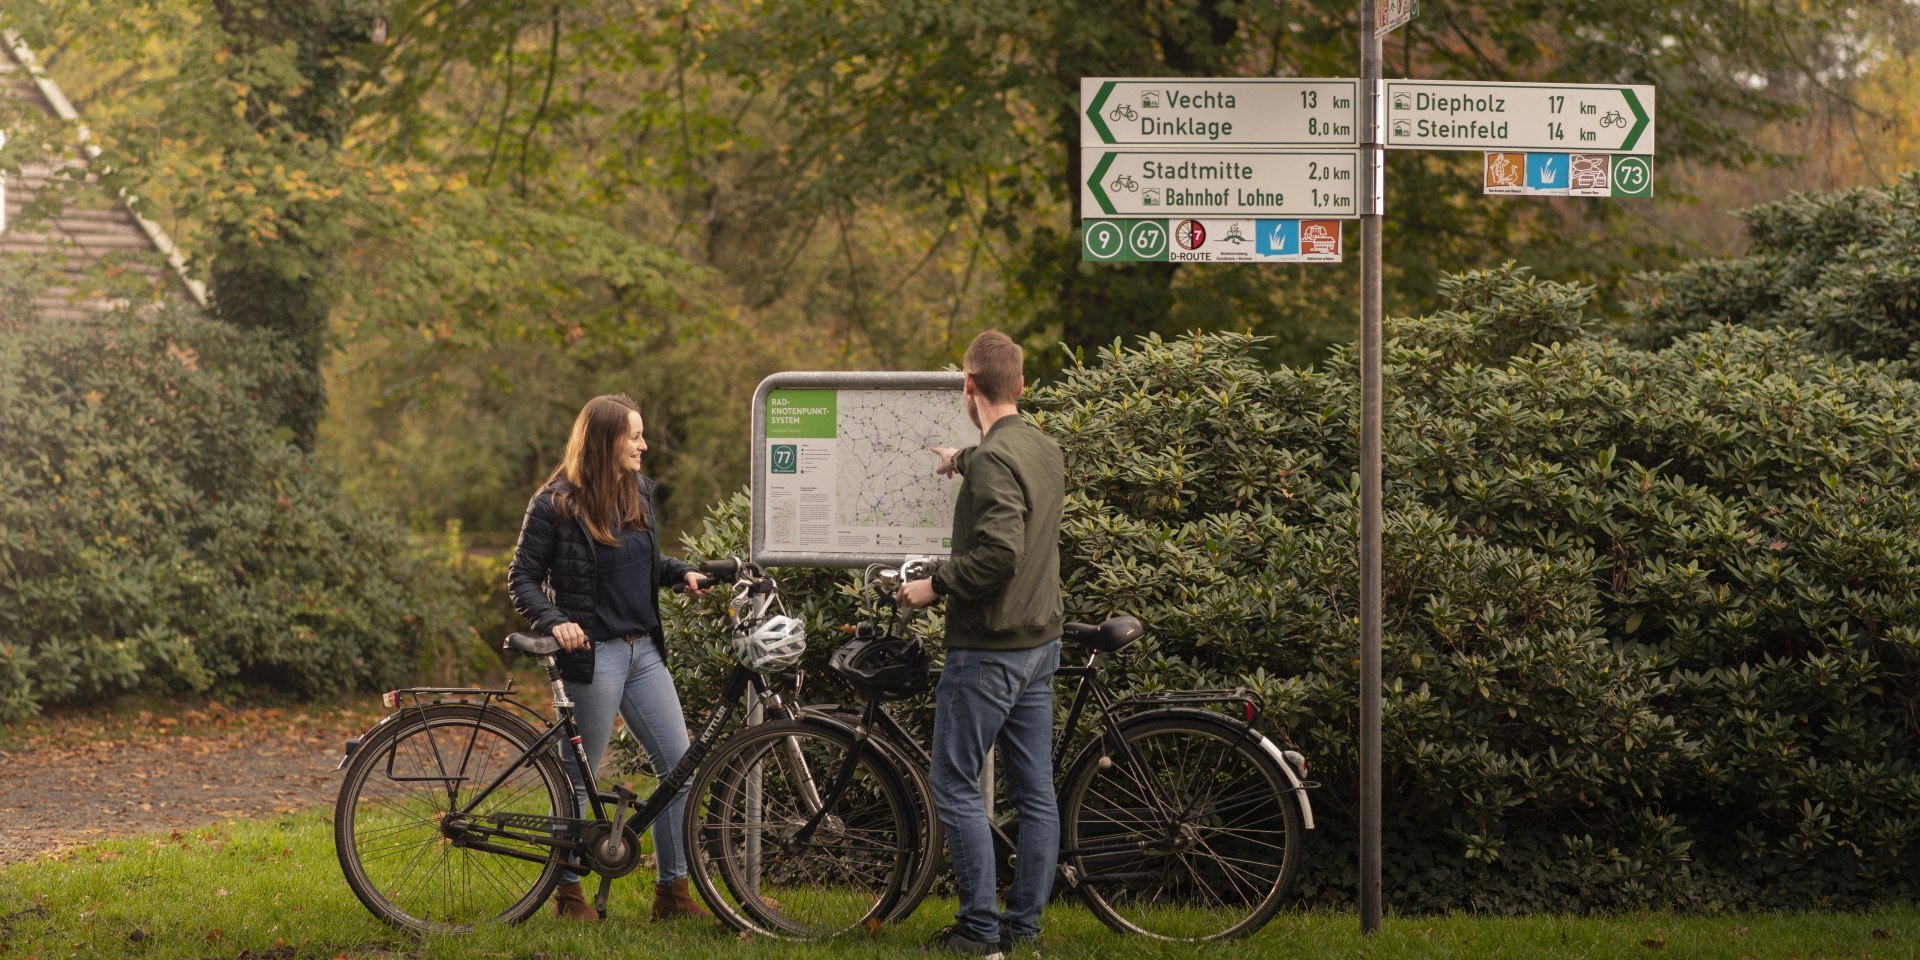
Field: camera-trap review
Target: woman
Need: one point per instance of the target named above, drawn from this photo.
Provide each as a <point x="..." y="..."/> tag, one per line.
<point x="587" y="569"/>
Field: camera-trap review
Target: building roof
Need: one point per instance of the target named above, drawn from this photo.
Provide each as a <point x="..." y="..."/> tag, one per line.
<point x="90" y="230"/>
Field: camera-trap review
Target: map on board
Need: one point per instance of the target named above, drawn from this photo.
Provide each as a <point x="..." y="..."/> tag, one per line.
<point x="886" y="469"/>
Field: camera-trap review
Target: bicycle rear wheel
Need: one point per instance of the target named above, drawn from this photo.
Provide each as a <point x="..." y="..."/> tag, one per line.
<point x="399" y="789"/>
<point x="799" y="832"/>
<point x="1188" y="834"/>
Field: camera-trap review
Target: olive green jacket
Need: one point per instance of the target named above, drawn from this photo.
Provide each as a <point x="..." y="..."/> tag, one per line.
<point x="1003" y="580"/>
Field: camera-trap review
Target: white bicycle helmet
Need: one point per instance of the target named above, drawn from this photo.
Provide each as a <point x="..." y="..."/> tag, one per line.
<point x="776" y="644"/>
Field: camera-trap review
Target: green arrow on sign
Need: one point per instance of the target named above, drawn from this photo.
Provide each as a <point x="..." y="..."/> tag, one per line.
<point x="1639" y="120"/>
<point x="1100" y="171"/>
<point x="1093" y="113"/>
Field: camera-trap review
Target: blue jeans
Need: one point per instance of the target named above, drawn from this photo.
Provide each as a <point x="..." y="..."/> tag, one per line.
<point x="1006" y="696"/>
<point x="630" y="678"/>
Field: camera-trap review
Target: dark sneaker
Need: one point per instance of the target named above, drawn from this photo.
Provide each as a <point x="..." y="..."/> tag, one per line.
<point x="952" y="941"/>
<point x="1009" y="943"/>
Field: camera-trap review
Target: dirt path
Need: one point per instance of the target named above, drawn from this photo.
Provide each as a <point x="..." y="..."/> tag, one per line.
<point x="74" y="779"/>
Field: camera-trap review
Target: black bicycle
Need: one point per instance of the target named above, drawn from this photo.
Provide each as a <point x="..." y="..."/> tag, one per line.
<point x="456" y="809"/>
<point x="1180" y="820"/>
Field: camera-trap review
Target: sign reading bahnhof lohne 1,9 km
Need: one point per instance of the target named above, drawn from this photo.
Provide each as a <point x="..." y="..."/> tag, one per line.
<point x="1461" y="115"/>
<point x="843" y="468"/>
<point x="1240" y="183"/>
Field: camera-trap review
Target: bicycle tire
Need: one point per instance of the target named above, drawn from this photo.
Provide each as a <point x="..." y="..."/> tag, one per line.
<point x="849" y="874"/>
<point x="929" y="851"/>
<point x="380" y="817"/>
<point x="1212" y="869"/>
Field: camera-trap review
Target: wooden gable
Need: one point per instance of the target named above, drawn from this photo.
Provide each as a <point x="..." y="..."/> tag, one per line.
<point x="94" y="242"/>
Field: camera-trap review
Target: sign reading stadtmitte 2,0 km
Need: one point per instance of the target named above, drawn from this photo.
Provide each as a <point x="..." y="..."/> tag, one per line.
<point x="1463" y="115"/>
<point x="1147" y="183"/>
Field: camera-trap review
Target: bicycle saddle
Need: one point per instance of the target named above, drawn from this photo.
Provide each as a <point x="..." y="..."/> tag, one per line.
<point x="531" y="644"/>
<point x="1113" y="633"/>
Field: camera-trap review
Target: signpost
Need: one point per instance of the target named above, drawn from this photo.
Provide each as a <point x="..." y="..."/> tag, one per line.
<point x="1218" y="170"/>
<point x="1372" y="229"/>
<point x="1223" y="112"/>
<point x="1460" y="115"/>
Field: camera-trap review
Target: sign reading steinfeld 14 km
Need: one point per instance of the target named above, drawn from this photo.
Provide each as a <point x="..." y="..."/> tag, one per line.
<point x="1461" y="115"/>
<point x="1219" y="112"/>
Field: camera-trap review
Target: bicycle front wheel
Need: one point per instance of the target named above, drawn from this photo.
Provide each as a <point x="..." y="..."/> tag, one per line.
<point x="930" y="843"/>
<point x="1188" y="833"/>
<point x="798" y="832"/>
<point x="399" y="790"/>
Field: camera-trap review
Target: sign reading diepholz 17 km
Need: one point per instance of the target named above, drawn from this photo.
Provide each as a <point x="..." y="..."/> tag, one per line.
<point x="1219" y="112"/>
<point x="1184" y="183"/>
<point x="1461" y="115"/>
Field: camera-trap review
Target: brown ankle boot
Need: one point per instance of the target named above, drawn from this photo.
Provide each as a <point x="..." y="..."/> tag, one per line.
<point x="673" y="899"/>
<point x="569" y="903"/>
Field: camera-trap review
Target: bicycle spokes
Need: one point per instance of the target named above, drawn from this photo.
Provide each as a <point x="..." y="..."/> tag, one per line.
<point x="1190" y="837"/>
<point x="415" y="858"/>
<point x="801" y="835"/>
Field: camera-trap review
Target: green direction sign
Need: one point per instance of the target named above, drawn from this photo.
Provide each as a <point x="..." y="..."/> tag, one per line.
<point x="1461" y="115"/>
<point x="1219" y="112"/>
<point x="1180" y="183"/>
<point x="1124" y="241"/>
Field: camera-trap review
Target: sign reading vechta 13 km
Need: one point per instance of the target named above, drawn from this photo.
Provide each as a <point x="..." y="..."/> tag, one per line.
<point x="1461" y="115"/>
<point x="1219" y="112"/>
<point x="1267" y="183"/>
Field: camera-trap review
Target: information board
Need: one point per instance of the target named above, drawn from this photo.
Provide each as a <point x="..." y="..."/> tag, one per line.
<point x="843" y="471"/>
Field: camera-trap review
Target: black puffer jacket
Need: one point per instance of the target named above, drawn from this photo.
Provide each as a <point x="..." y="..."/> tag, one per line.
<point x="554" y="576"/>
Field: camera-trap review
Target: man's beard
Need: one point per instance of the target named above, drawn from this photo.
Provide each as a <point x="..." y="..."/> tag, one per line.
<point x="973" y="411"/>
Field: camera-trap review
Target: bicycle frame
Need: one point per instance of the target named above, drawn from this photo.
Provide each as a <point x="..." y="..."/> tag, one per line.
<point x="1090" y="693"/>
<point x="467" y="831"/>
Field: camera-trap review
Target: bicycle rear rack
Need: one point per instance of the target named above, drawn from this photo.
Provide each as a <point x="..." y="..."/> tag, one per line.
<point x="1246" y="704"/>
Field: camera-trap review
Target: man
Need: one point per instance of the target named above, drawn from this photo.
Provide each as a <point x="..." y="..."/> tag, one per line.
<point x="1003" y="643"/>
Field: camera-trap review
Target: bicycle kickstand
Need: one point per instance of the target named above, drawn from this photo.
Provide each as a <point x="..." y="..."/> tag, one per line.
<point x="623" y="806"/>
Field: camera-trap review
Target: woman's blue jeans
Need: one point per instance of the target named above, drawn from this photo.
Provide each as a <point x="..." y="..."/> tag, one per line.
<point x="630" y="679"/>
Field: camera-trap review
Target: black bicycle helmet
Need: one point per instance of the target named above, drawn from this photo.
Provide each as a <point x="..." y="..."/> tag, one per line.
<point x="883" y="668"/>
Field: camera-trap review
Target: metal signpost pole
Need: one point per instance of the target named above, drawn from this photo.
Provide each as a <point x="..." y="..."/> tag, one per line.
<point x="1373" y="185"/>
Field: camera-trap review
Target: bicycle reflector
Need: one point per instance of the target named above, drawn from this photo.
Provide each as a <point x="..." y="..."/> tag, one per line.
<point x="1298" y="760"/>
<point x="390" y="699"/>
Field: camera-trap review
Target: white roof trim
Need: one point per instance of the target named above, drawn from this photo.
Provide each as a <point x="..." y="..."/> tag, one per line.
<point x="64" y="108"/>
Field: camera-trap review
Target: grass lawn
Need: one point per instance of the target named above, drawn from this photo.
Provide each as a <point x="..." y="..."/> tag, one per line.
<point x="271" y="889"/>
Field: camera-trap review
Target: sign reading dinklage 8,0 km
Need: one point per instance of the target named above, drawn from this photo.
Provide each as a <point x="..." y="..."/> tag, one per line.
<point x="1463" y="115"/>
<point x="1219" y="112"/>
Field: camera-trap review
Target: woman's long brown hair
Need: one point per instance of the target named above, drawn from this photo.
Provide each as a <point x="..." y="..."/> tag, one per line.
<point x="598" y="491"/>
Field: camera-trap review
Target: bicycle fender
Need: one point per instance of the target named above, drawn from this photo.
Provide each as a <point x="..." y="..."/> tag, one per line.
<point x="1297" y="787"/>
<point x="847" y="723"/>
